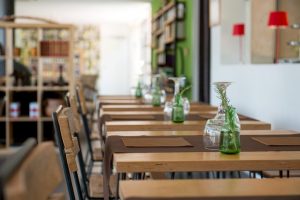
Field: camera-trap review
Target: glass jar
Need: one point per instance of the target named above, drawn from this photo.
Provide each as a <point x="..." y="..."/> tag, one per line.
<point x="178" y="109"/>
<point x="230" y="133"/>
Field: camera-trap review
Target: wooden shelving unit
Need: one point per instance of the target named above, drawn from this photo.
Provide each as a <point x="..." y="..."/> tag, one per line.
<point x="167" y="30"/>
<point x="13" y="130"/>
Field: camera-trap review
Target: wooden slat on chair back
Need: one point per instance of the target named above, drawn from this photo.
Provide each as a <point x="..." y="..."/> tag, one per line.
<point x="81" y="98"/>
<point x="37" y="177"/>
<point x="67" y="128"/>
<point x="76" y="117"/>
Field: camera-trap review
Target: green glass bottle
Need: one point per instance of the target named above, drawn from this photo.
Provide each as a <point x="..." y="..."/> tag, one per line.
<point x="138" y="91"/>
<point x="156" y="98"/>
<point x="178" y="109"/>
<point x="230" y="133"/>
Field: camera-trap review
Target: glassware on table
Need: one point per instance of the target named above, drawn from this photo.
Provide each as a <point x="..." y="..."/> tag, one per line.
<point x="230" y="133"/>
<point x="212" y="130"/>
<point x="180" y="106"/>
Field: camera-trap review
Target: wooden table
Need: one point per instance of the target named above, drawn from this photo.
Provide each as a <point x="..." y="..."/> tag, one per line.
<point x="206" y="161"/>
<point x="181" y="133"/>
<point x="170" y="126"/>
<point x="122" y="108"/>
<point x="238" y="188"/>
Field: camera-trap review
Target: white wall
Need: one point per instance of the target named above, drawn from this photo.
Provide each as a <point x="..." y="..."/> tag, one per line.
<point x="266" y="92"/>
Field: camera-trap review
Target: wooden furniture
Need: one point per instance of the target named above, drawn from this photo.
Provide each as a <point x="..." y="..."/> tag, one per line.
<point x="170" y="126"/>
<point x="215" y="189"/>
<point x="206" y="161"/>
<point x="37" y="177"/>
<point x="122" y="108"/>
<point x="179" y="133"/>
<point x="43" y="62"/>
<point x="168" y="27"/>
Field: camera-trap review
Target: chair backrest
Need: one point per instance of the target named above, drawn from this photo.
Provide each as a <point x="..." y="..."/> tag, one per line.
<point x="83" y="113"/>
<point x="81" y="99"/>
<point x="72" y="148"/>
<point x="60" y="144"/>
<point x="37" y="177"/>
<point x="9" y="166"/>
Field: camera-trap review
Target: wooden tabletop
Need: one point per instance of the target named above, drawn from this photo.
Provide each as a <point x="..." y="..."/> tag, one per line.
<point x="180" y="133"/>
<point x="170" y="126"/>
<point x="142" y="107"/>
<point x="238" y="188"/>
<point x="117" y="97"/>
<point x="206" y="161"/>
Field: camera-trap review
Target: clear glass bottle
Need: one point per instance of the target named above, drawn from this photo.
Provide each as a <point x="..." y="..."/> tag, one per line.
<point x="212" y="130"/>
<point x="230" y="133"/>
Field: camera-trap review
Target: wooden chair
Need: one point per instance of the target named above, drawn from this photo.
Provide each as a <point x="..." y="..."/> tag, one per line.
<point x="32" y="173"/>
<point x="69" y="147"/>
<point x="94" y="151"/>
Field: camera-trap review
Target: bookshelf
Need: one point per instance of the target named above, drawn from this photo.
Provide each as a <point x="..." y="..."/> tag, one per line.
<point x="45" y="51"/>
<point x="168" y="28"/>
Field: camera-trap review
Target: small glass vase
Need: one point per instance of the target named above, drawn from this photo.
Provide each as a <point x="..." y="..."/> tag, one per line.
<point x="212" y="130"/>
<point x="178" y="109"/>
<point x="230" y="133"/>
<point x="156" y="98"/>
<point x="138" y="91"/>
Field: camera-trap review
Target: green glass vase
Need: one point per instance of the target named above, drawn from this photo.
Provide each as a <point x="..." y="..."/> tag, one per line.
<point x="138" y="91"/>
<point x="156" y="98"/>
<point x="178" y="109"/>
<point x="230" y="133"/>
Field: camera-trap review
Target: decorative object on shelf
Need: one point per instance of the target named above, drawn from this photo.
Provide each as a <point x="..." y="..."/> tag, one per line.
<point x="212" y="130"/>
<point x="277" y="20"/>
<point x="21" y="74"/>
<point x="33" y="110"/>
<point x="14" y="109"/>
<point x="180" y="105"/>
<point x="61" y="81"/>
<point x="230" y="132"/>
<point x="238" y="30"/>
<point x="54" y="48"/>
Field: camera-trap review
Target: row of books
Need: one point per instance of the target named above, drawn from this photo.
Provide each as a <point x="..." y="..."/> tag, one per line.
<point x="54" y="48"/>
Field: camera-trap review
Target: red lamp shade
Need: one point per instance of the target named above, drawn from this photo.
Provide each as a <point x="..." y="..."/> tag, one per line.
<point x="278" y="19"/>
<point x="238" y="29"/>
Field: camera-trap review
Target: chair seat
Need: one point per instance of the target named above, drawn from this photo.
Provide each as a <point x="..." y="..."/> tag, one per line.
<point x="275" y="174"/>
<point x="97" y="155"/>
<point x="57" y="196"/>
<point x="96" y="185"/>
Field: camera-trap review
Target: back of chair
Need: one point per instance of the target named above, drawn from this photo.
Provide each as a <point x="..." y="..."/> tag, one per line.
<point x="83" y="113"/>
<point x="37" y="177"/>
<point x="72" y="148"/>
<point x="81" y="99"/>
<point x="59" y="142"/>
<point x="11" y="165"/>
